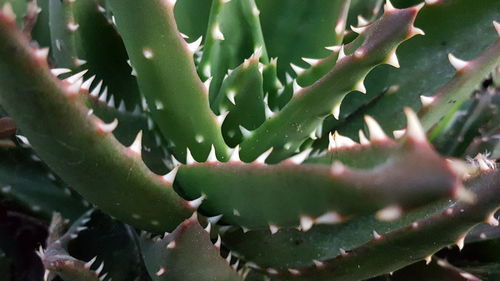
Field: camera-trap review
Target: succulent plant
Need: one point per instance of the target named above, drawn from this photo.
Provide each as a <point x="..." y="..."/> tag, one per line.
<point x="227" y="140"/>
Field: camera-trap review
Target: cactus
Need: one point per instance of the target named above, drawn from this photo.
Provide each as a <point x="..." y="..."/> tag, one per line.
<point x="246" y="139"/>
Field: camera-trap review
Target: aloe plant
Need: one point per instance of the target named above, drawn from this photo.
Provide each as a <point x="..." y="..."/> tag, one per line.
<point x="246" y="139"/>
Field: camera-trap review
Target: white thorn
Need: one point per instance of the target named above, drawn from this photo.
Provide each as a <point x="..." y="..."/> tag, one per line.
<point x="97" y="90"/>
<point x="74" y="88"/>
<point x="228" y="258"/>
<point x="341" y="53"/>
<point x="8" y="12"/>
<point x="235" y="156"/>
<point x="360" y="86"/>
<point x="318" y="263"/>
<point x="358" y="30"/>
<point x="111" y="102"/>
<point x="262" y="158"/>
<point x="150" y="123"/>
<point x="497" y="27"/>
<point x="426" y="101"/>
<point x="79" y="62"/>
<point x="104" y="95"/>
<point x="331" y="217"/>
<point x="336" y="110"/>
<point x="87" y="83"/>
<point x="334" y="48"/>
<point x="220" y="118"/>
<point x="161" y="271"/>
<point x="337" y="168"/>
<point x="296" y="87"/>
<point x="388" y="6"/>
<point x="121" y="106"/>
<point x="428" y="259"/>
<point x="392" y="59"/>
<point x="218" y="242"/>
<point x="75" y="77"/>
<point x="207" y="83"/>
<point x="414" y="129"/>
<point x="342" y="252"/>
<point x="299" y="158"/>
<point x="72" y="26"/>
<point x="376" y="132"/>
<point x="298" y="70"/>
<point x="217" y="33"/>
<point x="362" y="138"/>
<point x="294" y="271"/>
<point x="416" y="31"/>
<point x="108" y="128"/>
<point x="88" y="264"/>
<point x="246" y="133"/>
<point x="273" y="228"/>
<point x="458" y="64"/>
<point x="193" y="47"/>
<point x="211" y="156"/>
<point x="491" y="220"/>
<point x="272" y="271"/>
<point x="59" y="71"/>
<point x="171" y="244"/>
<point x="136" y="146"/>
<point x="306" y="222"/>
<point x="42" y="53"/>
<point x="431" y="2"/>
<point x="311" y="62"/>
<point x="389" y="213"/>
<point x="189" y="157"/>
<point x="197" y="202"/>
<point x="288" y="78"/>
<point x="267" y="111"/>
<point x="336" y="140"/>
<point x="376" y="236"/>
<point x="214" y="219"/>
<point x="231" y="95"/>
<point x="399" y="133"/>
<point x="362" y="21"/>
<point x="236" y="264"/>
<point x="460" y="242"/>
<point x="170" y="176"/>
